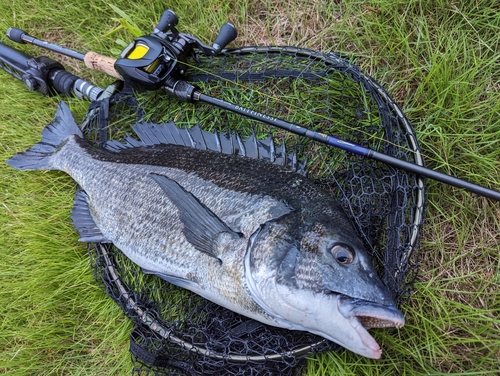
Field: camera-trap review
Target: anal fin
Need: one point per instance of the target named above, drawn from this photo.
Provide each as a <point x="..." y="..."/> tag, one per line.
<point x="178" y="281"/>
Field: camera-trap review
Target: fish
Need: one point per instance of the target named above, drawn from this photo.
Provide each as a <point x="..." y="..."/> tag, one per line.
<point x="234" y="220"/>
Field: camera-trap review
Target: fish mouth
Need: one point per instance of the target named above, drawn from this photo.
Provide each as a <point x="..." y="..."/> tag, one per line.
<point x="364" y="315"/>
<point x="372" y="320"/>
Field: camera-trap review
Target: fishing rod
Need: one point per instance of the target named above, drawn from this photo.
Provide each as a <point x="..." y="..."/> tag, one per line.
<point x="159" y="61"/>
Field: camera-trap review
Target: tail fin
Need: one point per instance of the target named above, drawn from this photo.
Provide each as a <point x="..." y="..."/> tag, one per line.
<point x="54" y="134"/>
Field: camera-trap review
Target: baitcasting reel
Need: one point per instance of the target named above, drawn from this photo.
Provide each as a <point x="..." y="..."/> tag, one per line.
<point x="150" y="60"/>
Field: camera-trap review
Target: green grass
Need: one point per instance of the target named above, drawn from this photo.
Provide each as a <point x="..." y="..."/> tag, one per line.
<point x="440" y="60"/>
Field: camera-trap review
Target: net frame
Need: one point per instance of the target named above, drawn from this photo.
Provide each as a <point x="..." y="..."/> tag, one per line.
<point x="155" y="344"/>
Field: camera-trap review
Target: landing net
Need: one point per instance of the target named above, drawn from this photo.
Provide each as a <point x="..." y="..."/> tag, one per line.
<point x="179" y="333"/>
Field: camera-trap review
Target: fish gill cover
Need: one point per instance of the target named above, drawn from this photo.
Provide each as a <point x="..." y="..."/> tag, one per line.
<point x="179" y="333"/>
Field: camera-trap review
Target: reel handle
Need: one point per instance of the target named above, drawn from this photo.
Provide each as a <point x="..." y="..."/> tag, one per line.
<point x="227" y="34"/>
<point x="167" y="22"/>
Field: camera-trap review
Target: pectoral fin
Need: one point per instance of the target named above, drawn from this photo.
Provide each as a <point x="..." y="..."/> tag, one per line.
<point x="201" y="225"/>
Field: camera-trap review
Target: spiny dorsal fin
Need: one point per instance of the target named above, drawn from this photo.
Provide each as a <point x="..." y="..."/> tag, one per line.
<point x="251" y="147"/>
<point x="228" y="143"/>
<point x="280" y="153"/>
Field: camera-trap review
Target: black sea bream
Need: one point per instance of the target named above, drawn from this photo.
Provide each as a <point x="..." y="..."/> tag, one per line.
<point x="254" y="236"/>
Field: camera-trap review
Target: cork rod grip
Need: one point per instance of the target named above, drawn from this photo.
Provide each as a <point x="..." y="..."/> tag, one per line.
<point x="101" y="63"/>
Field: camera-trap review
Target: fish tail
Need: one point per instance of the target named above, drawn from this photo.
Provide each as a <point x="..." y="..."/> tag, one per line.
<point x="54" y="135"/>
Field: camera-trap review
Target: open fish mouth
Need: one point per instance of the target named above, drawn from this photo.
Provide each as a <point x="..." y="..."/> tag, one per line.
<point x="371" y="314"/>
<point x="370" y="322"/>
<point x="364" y="315"/>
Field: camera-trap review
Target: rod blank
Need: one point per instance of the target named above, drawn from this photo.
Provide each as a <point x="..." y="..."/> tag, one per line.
<point x="351" y="147"/>
<point x="91" y="59"/>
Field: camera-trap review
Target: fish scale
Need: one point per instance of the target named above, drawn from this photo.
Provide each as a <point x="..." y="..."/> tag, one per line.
<point x="115" y="193"/>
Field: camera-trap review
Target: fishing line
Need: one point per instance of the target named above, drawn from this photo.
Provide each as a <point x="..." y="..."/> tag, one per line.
<point x="335" y="121"/>
<point x="268" y="96"/>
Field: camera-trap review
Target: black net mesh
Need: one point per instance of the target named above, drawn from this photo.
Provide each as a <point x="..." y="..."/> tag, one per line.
<point x="179" y="333"/>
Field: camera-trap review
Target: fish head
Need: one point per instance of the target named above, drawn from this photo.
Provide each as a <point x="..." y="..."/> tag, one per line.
<point x="315" y="274"/>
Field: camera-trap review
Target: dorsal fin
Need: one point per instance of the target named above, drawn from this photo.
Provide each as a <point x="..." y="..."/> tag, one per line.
<point x="266" y="148"/>
<point x="228" y="143"/>
<point x="280" y="153"/>
<point x="198" y="138"/>
<point x="251" y="147"/>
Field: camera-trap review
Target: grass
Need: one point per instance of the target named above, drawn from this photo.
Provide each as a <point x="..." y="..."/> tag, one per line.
<point x="440" y="60"/>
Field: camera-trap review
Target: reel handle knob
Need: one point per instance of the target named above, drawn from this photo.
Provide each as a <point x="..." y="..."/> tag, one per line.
<point x="226" y="35"/>
<point x="168" y="21"/>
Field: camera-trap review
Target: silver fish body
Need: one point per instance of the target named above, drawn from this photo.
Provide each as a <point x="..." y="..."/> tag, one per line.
<point x="253" y="236"/>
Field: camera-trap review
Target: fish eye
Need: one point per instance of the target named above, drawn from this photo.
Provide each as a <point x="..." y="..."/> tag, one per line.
<point x="343" y="254"/>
